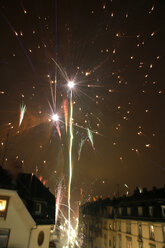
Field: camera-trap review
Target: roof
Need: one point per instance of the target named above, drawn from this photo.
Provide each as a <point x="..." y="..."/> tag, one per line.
<point x="154" y="199"/>
<point x="31" y="191"/>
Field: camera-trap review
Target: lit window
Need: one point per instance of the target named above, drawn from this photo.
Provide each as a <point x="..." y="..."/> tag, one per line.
<point x="3" y="204"/>
<point x="151" y="230"/>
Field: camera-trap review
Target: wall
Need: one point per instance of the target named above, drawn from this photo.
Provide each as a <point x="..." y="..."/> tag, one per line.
<point x="23" y="229"/>
<point x="34" y="236"/>
<point x="18" y="220"/>
<point x="100" y="242"/>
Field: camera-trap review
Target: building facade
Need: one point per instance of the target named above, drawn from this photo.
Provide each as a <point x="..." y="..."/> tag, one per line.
<point x="128" y="222"/>
<point x="26" y="212"/>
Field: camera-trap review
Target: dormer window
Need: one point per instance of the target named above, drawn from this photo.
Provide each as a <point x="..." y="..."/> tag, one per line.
<point x="38" y="208"/>
<point x="129" y="211"/>
<point x="150" y="211"/>
<point x="120" y="211"/>
<point x="163" y="211"/>
<point x="110" y="210"/>
<point x="140" y="211"/>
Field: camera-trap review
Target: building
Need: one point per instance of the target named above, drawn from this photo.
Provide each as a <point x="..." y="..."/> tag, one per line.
<point x="137" y="221"/>
<point x="26" y="211"/>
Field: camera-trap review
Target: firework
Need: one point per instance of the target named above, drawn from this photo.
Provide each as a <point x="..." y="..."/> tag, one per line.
<point x="80" y="147"/>
<point x="58" y="200"/>
<point x="55" y="119"/>
<point x="22" y="113"/>
<point x="66" y="114"/>
<point x="70" y="85"/>
<point x="90" y="136"/>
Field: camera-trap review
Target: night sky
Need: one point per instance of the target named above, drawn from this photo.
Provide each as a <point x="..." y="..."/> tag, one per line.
<point x="114" y="51"/>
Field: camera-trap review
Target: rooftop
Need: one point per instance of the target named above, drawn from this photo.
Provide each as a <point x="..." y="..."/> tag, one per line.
<point x="33" y="193"/>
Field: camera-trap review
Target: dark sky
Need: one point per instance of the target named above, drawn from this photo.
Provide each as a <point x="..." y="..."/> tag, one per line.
<point x="114" y="50"/>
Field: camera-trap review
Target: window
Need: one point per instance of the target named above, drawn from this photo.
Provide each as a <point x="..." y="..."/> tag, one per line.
<point x="128" y="227"/>
<point x="38" y="208"/>
<point x="120" y="211"/>
<point x="40" y="238"/>
<point x="139" y="230"/>
<point x="110" y="210"/>
<point x="119" y="226"/>
<point x="4" y="237"/>
<point x="150" y="211"/>
<point x="140" y="245"/>
<point x="163" y="211"/>
<point x="3" y="206"/>
<point x="152" y="246"/>
<point x="151" y="232"/>
<point x="140" y="211"/>
<point x="128" y="242"/>
<point x="120" y="242"/>
<point x="163" y="230"/>
<point x="110" y="226"/>
<point x="114" y="242"/>
<point x="105" y="239"/>
<point x="109" y="242"/>
<point x="114" y="225"/>
<point x="129" y="211"/>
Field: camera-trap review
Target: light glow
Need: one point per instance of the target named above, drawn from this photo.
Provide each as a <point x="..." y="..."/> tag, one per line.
<point x="3" y="204"/>
<point x="55" y="117"/>
<point x="71" y="84"/>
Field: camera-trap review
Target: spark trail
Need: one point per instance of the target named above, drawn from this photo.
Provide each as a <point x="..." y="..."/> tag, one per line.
<point x="70" y="165"/>
<point x="22" y="113"/>
<point x="90" y="136"/>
